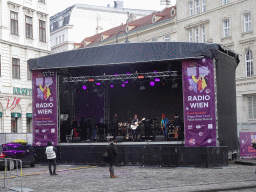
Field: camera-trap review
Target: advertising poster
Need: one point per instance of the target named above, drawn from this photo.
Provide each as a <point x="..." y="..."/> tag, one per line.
<point x="44" y="101"/>
<point x="246" y="140"/>
<point x="199" y="103"/>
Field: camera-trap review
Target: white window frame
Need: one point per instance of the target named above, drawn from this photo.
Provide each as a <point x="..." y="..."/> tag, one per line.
<point x="60" y="39"/>
<point x="247" y="22"/>
<point x="249" y="63"/>
<point x="63" y="38"/>
<point x="203" y="34"/>
<point x="197" y="7"/>
<point x="225" y="2"/>
<point x="226" y="28"/>
<point x="251" y="107"/>
<point x="196" y="34"/>
<point x="167" y="37"/>
<point x="56" y="40"/>
<point x="190" y="7"/>
<point x="190" y="35"/>
<point x="203" y="6"/>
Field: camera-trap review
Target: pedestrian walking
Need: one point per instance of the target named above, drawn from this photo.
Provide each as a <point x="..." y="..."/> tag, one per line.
<point x="51" y="157"/>
<point x="112" y="154"/>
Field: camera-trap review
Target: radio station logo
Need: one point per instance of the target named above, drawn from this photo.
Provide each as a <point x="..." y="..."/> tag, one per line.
<point x="190" y="126"/>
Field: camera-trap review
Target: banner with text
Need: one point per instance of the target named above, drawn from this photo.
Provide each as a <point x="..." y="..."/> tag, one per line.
<point x="44" y="101"/>
<point x="199" y="103"/>
<point x="246" y="140"/>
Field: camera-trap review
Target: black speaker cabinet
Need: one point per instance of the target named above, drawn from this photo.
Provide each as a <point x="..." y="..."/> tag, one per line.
<point x="119" y="138"/>
<point x="160" y="137"/>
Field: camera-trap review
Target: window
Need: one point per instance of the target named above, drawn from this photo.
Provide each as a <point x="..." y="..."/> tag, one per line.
<point x="247" y="22"/>
<point x="225" y="2"/>
<point x="252" y="106"/>
<point x="43" y="1"/>
<point x="190" y="39"/>
<point x="249" y="63"/>
<point x="14" y="126"/>
<point x="203" y="33"/>
<point x="60" y="39"/>
<point x="196" y="35"/>
<point x="190" y="5"/>
<point x="63" y="38"/>
<point x="203" y="5"/>
<point x="197" y="7"/>
<point x="29" y="124"/>
<point x="29" y="28"/>
<point x="14" y="23"/>
<point x="153" y="19"/>
<point x="42" y="31"/>
<point x="29" y="74"/>
<point x="154" y="39"/>
<point x="226" y="28"/>
<point x="15" y="68"/>
<point x="167" y="37"/>
<point x="56" y="40"/>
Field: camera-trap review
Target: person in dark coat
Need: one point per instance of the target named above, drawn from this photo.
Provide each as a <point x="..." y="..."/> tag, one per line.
<point x="83" y="128"/>
<point x="112" y="154"/>
<point x="93" y="128"/>
<point x="114" y="127"/>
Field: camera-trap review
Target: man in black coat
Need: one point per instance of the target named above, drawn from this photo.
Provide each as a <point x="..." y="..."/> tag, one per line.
<point x="114" y="127"/>
<point x="112" y="154"/>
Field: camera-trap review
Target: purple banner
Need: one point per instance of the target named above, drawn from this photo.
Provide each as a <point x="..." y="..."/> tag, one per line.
<point x="199" y="103"/>
<point x="44" y="100"/>
<point x="246" y="140"/>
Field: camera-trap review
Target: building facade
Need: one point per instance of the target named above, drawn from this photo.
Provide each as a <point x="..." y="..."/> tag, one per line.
<point x="24" y="34"/>
<point x="158" y="26"/>
<point x="80" y="21"/>
<point x="231" y="23"/>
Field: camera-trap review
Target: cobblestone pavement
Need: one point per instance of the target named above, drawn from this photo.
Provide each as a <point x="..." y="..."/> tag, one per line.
<point x="75" y="178"/>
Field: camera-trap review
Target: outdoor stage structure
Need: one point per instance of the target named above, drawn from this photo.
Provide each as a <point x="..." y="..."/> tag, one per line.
<point x="194" y="80"/>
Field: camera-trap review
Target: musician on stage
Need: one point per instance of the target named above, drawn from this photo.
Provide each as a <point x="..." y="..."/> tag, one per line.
<point x="92" y="127"/>
<point x="176" y="124"/>
<point x="114" y="127"/>
<point x="147" y="125"/>
<point x="135" y="132"/>
<point x="164" y="126"/>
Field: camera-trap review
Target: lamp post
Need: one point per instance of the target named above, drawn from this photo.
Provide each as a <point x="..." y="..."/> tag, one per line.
<point x="126" y="40"/>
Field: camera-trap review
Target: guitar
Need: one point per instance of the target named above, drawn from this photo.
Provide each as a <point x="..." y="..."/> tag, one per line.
<point x="133" y="127"/>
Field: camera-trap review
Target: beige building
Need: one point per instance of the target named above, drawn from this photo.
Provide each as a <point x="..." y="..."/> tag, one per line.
<point x="24" y="34"/>
<point x="158" y="26"/>
<point x="230" y="23"/>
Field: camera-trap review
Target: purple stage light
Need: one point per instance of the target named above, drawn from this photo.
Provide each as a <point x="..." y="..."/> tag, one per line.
<point x="157" y="80"/>
<point x="126" y="81"/>
<point x="123" y="85"/>
<point x="84" y="87"/>
<point x="128" y="73"/>
<point x="97" y="83"/>
<point x="111" y="86"/>
<point x="152" y="83"/>
<point x="155" y="72"/>
<point x="116" y="74"/>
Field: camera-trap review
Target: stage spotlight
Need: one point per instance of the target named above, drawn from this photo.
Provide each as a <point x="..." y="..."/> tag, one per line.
<point x="84" y="87"/>
<point x="142" y="87"/>
<point x="123" y="85"/>
<point x="152" y="83"/>
<point x="111" y="86"/>
<point x="157" y="80"/>
<point x="98" y="83"/>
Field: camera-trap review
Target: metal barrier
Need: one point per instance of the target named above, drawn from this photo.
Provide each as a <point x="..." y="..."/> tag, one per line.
<point x="10" y="176"/>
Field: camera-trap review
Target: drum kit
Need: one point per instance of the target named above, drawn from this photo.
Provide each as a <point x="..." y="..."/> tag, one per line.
<point x="124" y="129"/>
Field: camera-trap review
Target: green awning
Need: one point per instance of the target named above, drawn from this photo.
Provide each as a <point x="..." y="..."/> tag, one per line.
<point x="0" y="114"/>
<point x="16" y="115"/>
<point x="29" y="114"/>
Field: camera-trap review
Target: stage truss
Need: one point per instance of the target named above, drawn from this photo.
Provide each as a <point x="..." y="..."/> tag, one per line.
<point x="149" y="75"/>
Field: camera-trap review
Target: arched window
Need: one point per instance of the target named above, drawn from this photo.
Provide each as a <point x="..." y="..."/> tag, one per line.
<point x="249" y="63"/>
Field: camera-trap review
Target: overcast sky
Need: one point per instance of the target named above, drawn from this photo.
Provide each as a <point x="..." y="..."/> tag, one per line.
<point x="55" y="6"/>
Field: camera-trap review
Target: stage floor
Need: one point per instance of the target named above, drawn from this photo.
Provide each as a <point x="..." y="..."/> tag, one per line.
<point x="180" y="143"/>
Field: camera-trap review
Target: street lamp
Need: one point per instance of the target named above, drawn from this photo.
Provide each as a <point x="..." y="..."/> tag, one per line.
<point x="126" y="40"/>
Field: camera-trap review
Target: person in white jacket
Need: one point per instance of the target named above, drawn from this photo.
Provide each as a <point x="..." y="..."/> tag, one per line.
<point x="51" y="157"/>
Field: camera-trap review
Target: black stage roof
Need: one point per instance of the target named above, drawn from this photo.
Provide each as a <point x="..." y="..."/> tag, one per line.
<point x="127" y="53"/>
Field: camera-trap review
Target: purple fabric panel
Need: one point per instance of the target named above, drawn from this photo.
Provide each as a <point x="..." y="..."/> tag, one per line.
<point x="246" y="140"/>
<point x="44" y="100"/>
<point x="199" y="103"/>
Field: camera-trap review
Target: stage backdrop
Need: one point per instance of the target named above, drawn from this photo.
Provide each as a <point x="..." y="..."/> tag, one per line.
<point x="44" y="99"/>
<point x="199" y="103"/>
<point x="246" y="140"/>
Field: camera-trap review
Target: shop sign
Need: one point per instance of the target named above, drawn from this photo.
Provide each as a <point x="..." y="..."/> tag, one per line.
<point x="29" y="114"/>
<point x="16" y="115"/>
<point x="22" y="91"/>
